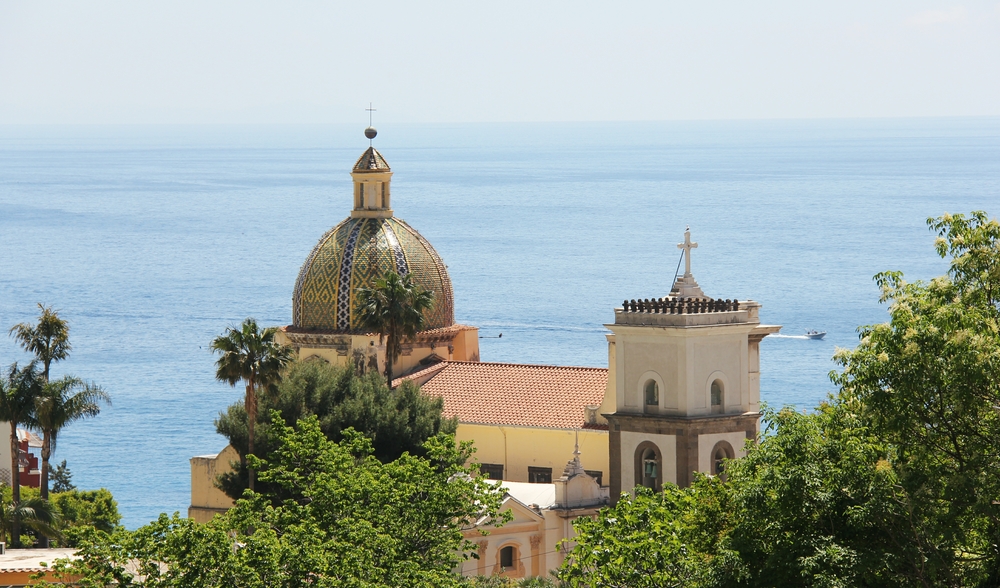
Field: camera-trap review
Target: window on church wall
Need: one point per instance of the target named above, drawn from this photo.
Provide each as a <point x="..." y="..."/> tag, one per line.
<point x="539" y="475"/>
<point x="492" y="471"/>
<point x="718" y="397"/>
<point x="597" y="475"/>
<point x="361" y="195"/>
<point x="652" y="394"/>
<point x="385" y="203"/>
<point x="508" y="555"/>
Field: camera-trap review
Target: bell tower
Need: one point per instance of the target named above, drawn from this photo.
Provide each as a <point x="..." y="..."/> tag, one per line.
<point x="686" y="384"/>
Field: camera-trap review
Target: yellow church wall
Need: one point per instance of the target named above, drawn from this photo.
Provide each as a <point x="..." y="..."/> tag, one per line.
<point x="464" y="347"/>
<point x="206" y="499"/>
<point x="518" y="448"/>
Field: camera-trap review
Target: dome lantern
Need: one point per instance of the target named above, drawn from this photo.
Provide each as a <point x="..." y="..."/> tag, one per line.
<point x="372" y="176"/>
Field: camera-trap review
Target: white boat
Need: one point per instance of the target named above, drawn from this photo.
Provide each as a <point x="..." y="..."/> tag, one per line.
<point x="815" y="334"/>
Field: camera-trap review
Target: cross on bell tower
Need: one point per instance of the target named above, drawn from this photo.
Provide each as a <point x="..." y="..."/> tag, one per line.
<point x="687" y="246"/>
<point x="686" y="286"/>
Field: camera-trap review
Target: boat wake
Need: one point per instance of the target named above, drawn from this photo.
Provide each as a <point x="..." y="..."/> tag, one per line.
<point x="780" y="336"/>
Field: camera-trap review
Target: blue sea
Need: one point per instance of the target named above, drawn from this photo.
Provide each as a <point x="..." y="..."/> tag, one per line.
<point x="151" y="240"/>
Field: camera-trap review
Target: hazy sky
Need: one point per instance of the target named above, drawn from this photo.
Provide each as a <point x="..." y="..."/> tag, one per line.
<point x="303" y="62"/>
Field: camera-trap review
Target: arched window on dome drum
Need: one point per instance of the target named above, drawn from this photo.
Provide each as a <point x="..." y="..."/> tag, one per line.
<point x="385" y="203"/>
<point x="718" y="397"/>
<point x="652" y="395"/>
<point x="361" y="195"/>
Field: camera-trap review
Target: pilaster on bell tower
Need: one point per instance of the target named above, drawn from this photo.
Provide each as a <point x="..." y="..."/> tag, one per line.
<point x="372" y="178"/>
<point x="686" y="391"/>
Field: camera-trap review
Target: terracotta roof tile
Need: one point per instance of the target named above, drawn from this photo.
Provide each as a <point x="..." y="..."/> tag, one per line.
<point x="514" y="394"/>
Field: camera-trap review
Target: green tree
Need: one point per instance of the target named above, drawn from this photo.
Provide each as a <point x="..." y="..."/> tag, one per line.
<point x="355" y="523"/>
<point x="251" y="355"/>
<point x="80" y="511"/>
<point x="34" y="513"/>
<point x="928" y="382"/>
<point x="62" y="402"/>
<point x="394" y="308"/>
<point x="396" y="420"/>
<point x="18" y="391"/>
<point x="62" y="478"/>
<point x="48" y="340"/>
<point x="641" y="542"/>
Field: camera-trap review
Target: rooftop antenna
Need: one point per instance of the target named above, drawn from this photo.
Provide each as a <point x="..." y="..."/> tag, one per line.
<point x="677" y="271"/>
<point x="370" y="132"/>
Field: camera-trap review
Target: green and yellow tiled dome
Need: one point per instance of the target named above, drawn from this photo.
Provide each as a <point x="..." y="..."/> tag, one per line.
<point x="353" y="255"/>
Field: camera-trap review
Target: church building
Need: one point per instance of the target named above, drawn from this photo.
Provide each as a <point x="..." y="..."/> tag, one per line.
<point x="680" y="393"/>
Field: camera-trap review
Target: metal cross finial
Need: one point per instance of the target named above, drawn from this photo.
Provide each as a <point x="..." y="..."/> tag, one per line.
<point x="687" y="246"/>
<point x="370" y="132"/>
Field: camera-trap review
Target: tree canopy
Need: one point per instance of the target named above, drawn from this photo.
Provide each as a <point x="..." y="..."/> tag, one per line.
<point x="395" y="420"/>
<point x="350" y="521"/>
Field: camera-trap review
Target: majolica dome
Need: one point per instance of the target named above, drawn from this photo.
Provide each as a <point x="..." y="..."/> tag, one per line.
<point x="362" y="249"/>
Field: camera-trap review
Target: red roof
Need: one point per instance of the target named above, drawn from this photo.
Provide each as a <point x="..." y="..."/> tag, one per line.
<point x="514" y="394"/>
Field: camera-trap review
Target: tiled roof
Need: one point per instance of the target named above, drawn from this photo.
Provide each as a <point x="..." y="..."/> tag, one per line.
<point x="371" y="160"/>
<point x="514" y="394"/>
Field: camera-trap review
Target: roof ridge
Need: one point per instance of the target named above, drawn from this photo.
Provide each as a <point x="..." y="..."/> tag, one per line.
<point x="532" y="365"/>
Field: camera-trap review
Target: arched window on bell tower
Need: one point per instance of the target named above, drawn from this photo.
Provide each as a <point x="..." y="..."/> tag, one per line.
<point x="648" y="466"/>
<point x="651" y="394"/>
<point x="718" y="397"/>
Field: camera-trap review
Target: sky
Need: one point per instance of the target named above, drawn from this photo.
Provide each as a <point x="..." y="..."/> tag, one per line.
<point x="197" y="62"/>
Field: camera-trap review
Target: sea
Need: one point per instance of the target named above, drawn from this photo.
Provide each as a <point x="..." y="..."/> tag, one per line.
<point x="151" y="240"/>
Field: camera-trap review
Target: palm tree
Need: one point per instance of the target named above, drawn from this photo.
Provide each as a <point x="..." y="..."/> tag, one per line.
<point x="66" y="400"/>
<point x="251" y="355"/>
<point x="18" y="391"/>
<point x="394" y="308"/>
<point x="35" y="513"/>
<point x="48" y="340"/>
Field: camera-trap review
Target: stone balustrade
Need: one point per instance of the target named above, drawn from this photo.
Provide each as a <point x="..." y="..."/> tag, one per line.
<point x="669" y="305"/>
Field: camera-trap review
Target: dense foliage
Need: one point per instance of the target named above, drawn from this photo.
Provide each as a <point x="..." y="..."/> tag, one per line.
<point x="83" y="510"/>
<point x="396" y="420"/>
<point x="349" y="521"/>
<point x="893" y="482"/>
<point x="63" y="518"/>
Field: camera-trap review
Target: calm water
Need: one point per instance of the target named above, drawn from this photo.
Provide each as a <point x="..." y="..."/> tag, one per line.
<point x="150" y="241"/>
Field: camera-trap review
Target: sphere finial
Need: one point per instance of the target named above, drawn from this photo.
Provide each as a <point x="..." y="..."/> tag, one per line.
<point x="370" y="133"/>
